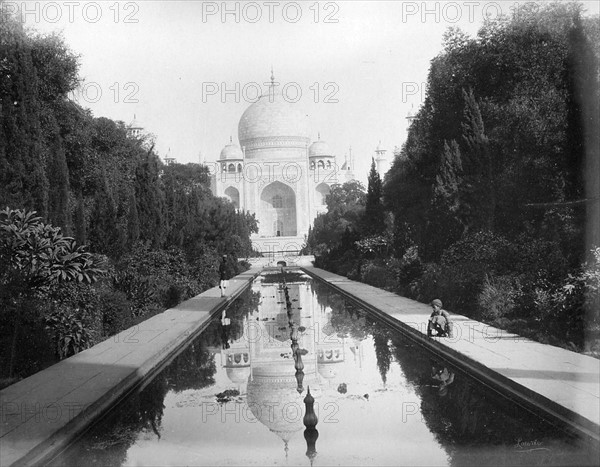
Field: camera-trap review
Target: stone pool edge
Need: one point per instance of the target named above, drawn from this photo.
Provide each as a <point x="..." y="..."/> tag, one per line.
<point x="523" y="395"/>
<point x="49" y="436"/>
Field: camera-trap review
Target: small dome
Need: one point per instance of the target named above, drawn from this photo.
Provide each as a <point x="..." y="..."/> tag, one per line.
<point x="238" y="375"/>
<point x="327" y="370"/>
<point x="232" y="151"/>
<point x="319" y="149"/>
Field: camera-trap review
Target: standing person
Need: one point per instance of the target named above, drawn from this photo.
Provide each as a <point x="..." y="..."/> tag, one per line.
<point x="439" y="321"/>
<point x="224" y="275"/>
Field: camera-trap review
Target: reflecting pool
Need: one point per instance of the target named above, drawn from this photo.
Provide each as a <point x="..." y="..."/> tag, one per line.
<point x="238" y="395"/>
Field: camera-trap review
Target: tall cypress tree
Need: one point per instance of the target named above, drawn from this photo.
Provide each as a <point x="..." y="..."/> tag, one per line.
<point x="104" y="234"/>
<point x="151" y="202"/>
<point x="24" y="181"/>
<point x="445" y="226"/>
<point x="58" y="177"/>
<point x="133" y="222"/>
<point x="79" y="224"/>
<point x="374" y="217"/>
<point x="478" y="187"/>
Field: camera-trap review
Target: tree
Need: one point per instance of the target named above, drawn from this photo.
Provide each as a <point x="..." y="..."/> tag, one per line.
<point x="342" y="221"/>
<point x="374" y="217"/>
<point x="133" y="223"/>
<point x="79" y="221"/>
<point x="150" y="197"/>
<point x="478" y="197"/>
<point x="103" y="233"/>
<point x="445" y="224"/>
<point x="35" y="256"/>
<point x="58" y="176"/>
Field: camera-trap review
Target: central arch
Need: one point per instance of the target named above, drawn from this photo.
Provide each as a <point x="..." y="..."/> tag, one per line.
<point x="277" y="215"/>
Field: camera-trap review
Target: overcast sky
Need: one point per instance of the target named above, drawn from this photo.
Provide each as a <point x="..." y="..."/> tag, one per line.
<point x="360" y="65"/>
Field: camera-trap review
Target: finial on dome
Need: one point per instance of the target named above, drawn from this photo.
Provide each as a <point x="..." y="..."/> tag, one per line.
<point x="319" y="136"/>
<point x="272" y="77"/>
<point x="230" y="139"/>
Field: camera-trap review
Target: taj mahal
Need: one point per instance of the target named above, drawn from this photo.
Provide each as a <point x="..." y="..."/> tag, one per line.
<point x="277" y="172"/>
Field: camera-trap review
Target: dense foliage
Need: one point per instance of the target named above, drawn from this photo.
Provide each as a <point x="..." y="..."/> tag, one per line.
<point x="494" y="197"/>
<point x="157" y="230"/>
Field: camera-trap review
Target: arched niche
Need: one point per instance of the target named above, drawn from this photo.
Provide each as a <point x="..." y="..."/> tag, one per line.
<point x="322" y="190"/>
<point x="277" y="216"/>
<point x="233" y="195"/>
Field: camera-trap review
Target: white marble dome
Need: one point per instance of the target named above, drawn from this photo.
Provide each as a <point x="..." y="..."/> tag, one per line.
<point x="273" y="121"/>
<point x="231" y="151"/>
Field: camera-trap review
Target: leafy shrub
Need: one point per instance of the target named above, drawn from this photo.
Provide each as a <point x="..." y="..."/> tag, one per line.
<point x="345" y="263"/>
<point x="466" y="264"/>
<point x="498" y="297"/>
<point x="566" y="311"/>
<point x="116" y="311"/>
<point x="141" y="291"/>
<point x="68" y="333"/>
<point x="376" y="275"/>
<point x="431" y="284"/>
<point x="407" y="272"/>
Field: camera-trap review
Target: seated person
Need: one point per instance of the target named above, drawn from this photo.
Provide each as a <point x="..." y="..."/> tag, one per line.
<point x="439" y="321"/>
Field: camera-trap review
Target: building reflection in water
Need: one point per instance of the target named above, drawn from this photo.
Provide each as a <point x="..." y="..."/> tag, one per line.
<point x="288" y="345"/>
<point x="261" y="362"/>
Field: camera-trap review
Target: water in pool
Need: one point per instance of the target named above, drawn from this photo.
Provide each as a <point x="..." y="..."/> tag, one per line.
<point x="236" y="396"/>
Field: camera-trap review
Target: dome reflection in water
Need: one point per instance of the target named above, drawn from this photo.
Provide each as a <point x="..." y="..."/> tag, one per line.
<point x="379" y="399"/>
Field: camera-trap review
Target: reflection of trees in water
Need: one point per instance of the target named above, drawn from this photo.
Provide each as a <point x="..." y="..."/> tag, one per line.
<point x="346" y="319"/>
<point x="477" y="426"/>
<point x="349" y="320"/>
<point x="325" y="296"/>
<point x="246" y="304"/>
<point x="194" y="368"/>
<point x="290" y="276"/>
<point x="107" y="443"/>
<point x="383" y="354"/>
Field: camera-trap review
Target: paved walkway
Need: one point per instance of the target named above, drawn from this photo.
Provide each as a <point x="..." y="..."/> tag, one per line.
<point x="42" y="413"/>
<point x="549" y="380"/>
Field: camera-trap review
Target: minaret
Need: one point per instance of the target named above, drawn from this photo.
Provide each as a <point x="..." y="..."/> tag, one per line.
<point x="350" y="159"/>
<point x="381" y="160"/>
<point x="134" y="129"/>
<point x="168" y="158"/>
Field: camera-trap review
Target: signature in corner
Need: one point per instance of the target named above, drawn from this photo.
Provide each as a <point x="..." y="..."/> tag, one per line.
<point x="526" y="446"/>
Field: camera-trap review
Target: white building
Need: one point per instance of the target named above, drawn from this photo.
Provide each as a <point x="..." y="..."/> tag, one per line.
<point x="276" y="173"/>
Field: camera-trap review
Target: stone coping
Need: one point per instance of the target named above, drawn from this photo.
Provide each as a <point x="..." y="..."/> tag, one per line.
<point x="547" y="380"/>
<point x="40" y="415"/>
